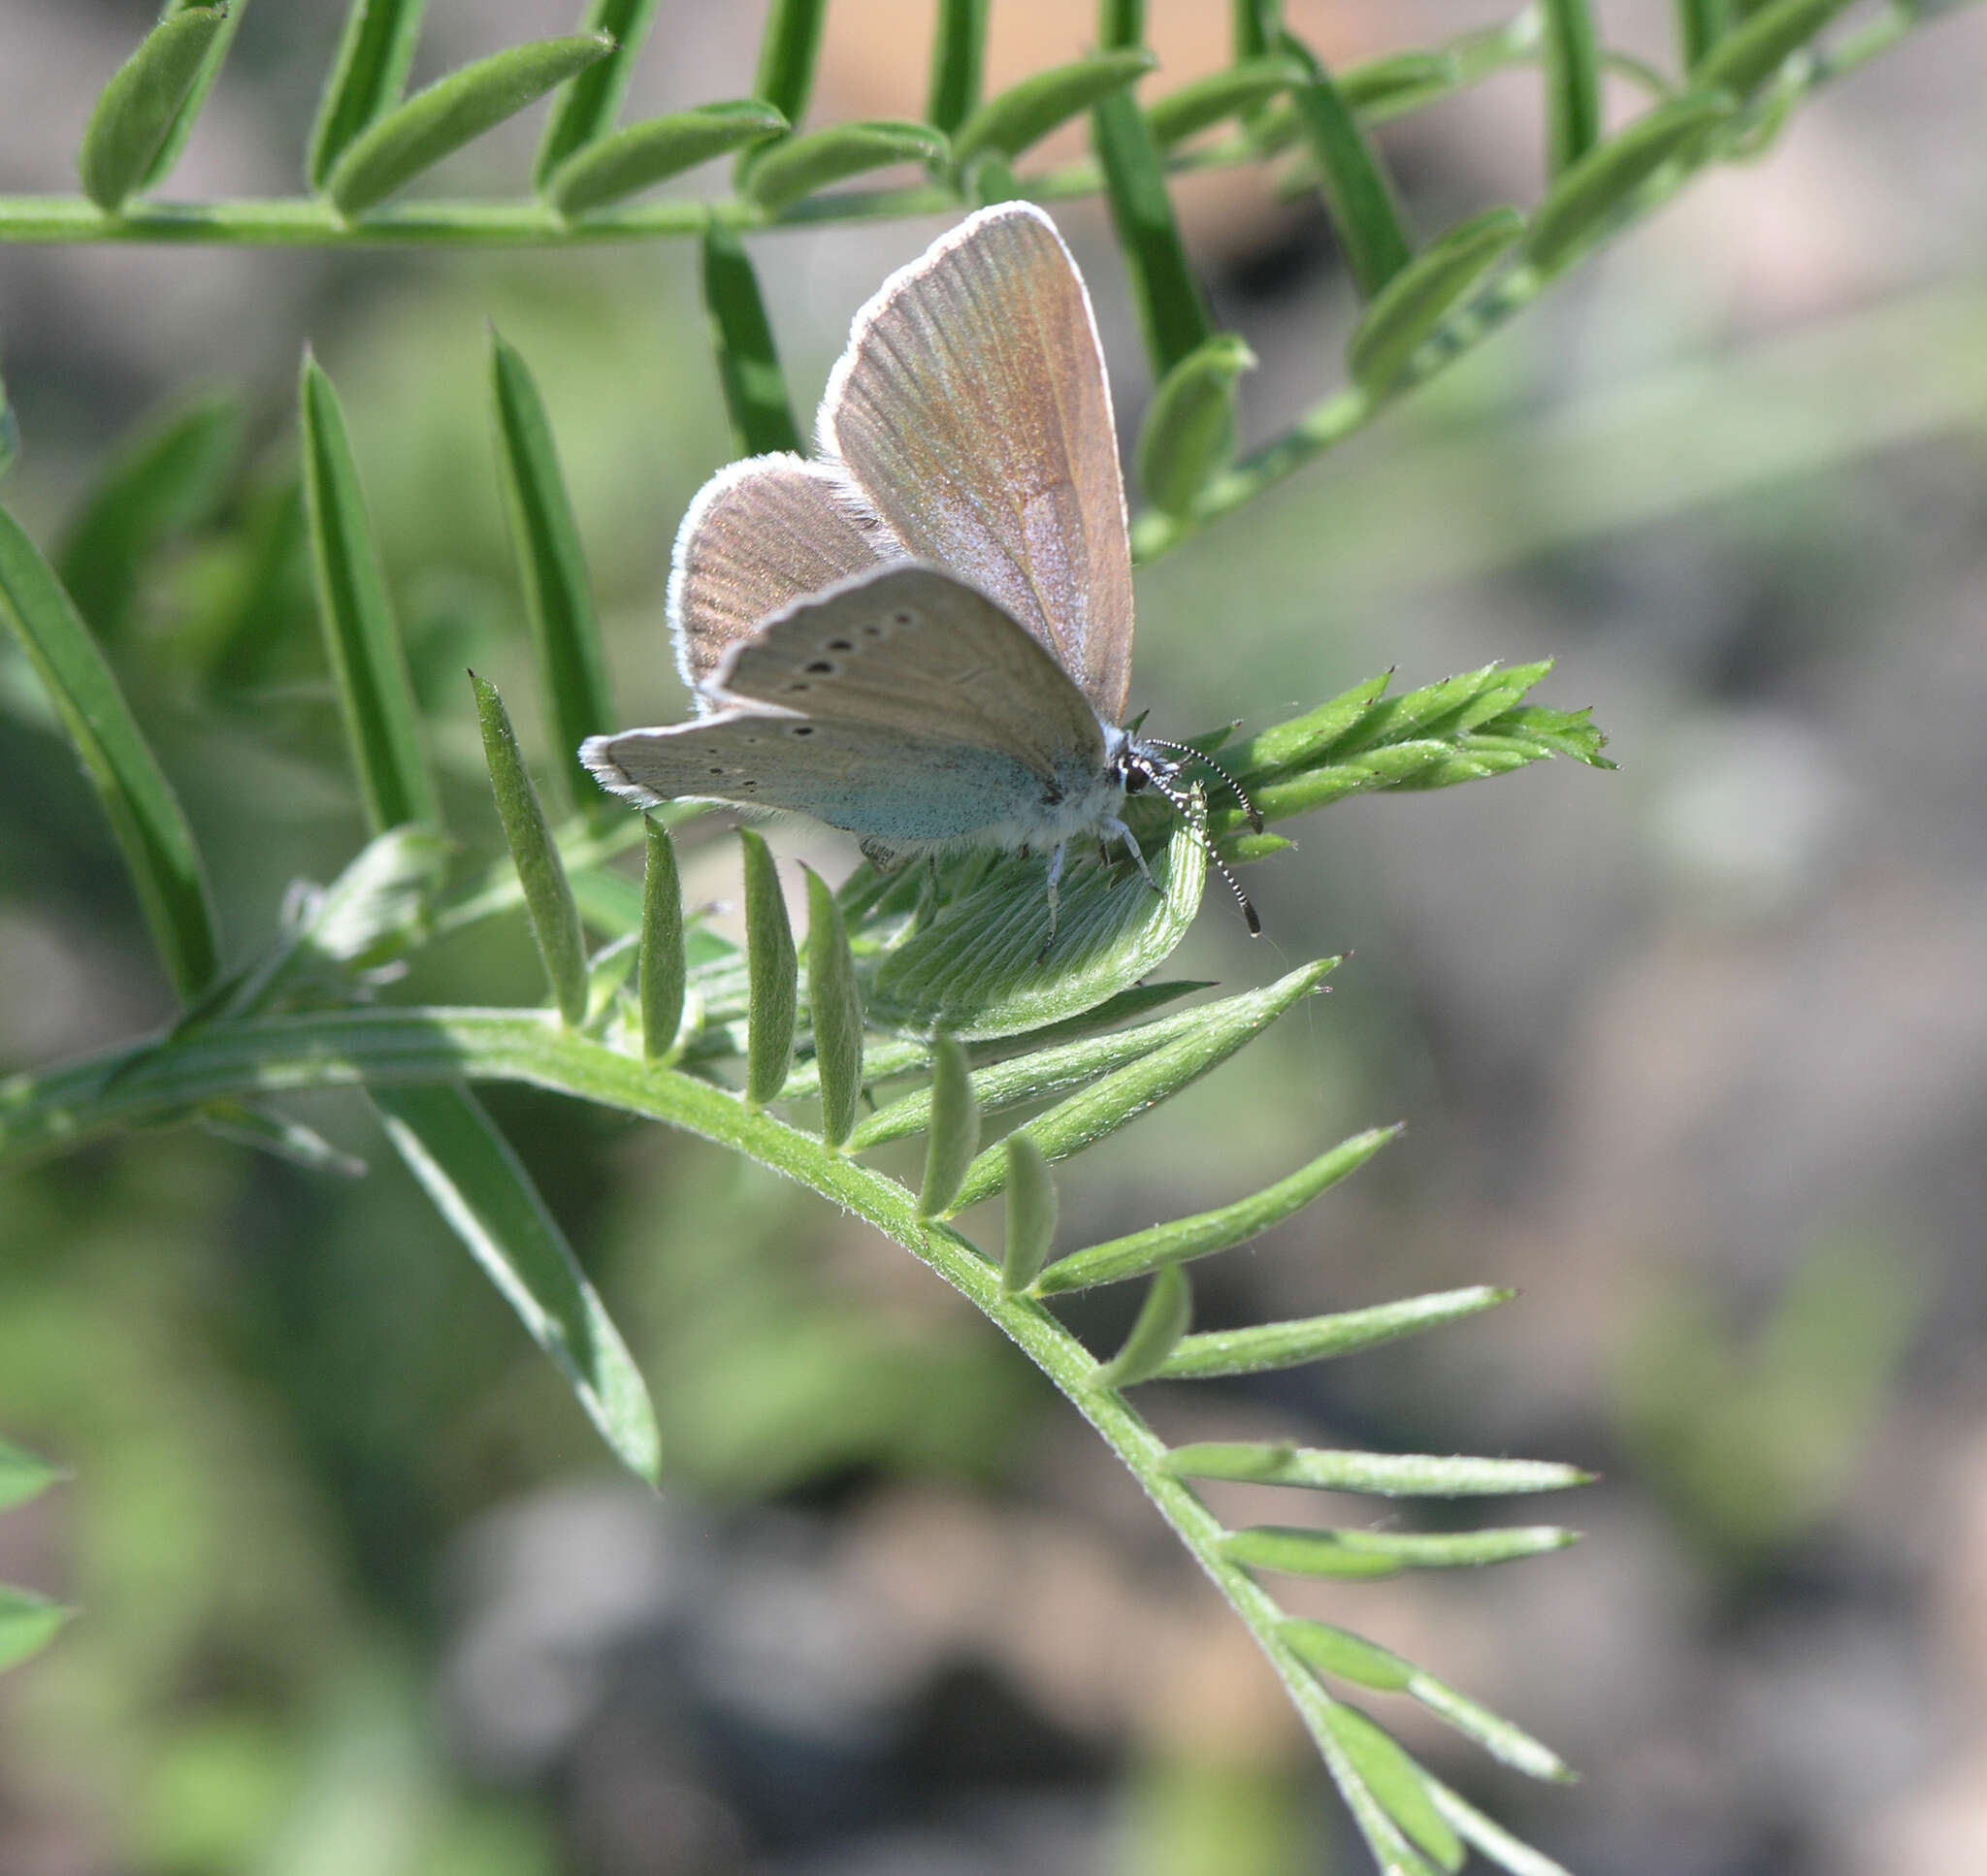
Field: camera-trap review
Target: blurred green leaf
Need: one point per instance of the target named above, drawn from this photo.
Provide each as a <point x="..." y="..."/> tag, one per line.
<point x="1188" y="435"/>
<point x="479" y="1186"/>
<point x="958" y="62"/>
<point x="983" y="966"/>
<point x="28" y="1623"/>
<point x="1266" y="1346"/>
<point x="1162" y="1320"/>
<point x="1346" y="1656"/>
<point x="953" y="1135"/>
<point x="393" y="150"/>
<point x="1423" y="293"/>
<point x="774" y="972"/>
<point x="1356" y="188"/>
<point x="1022" y="115"/>
<point x="1212" y="1231"/>
<point x="559" y="598"/>
<point x="276" y="1134"/>
<point x="1381" y="1552"/>
<point x="788" y="171"/>
<point x="1030" y="1215"/>
<point x="834" y="1012"/>
<point x="1395" y="1781"/>
<point x="10" y="433"/>
<point x="1099" y="1111"/>
<point x="1571" y="50"/>
<point x="1243" y="88"/>
<point x="622" y="162"/>
<point x="25" y="1475"/>
<point x="145" y="815"/>
<point x="374" y="55"/>
<point x="748" y="361"/>
<point x="169" y="478"/>
<point x="360" y="637"/>
<point x="1384" y="1474"/>
<point x="1699" y="25"/>
<point x="664" y="958"/>
<point x="1752" y="51"/>
<point x="138" y="109"/>
<point x="547" y="896"/>
<point x="584" y="112"/>
<point x="1172" y="314"/>
<point x="787" y="56"/>
<point x="189" y="113"/>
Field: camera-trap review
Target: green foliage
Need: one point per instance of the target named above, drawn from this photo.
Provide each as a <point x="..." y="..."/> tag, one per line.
<point x="370" y="71"/>
<point x="139" y="112"/>
<point x="797" y="167"/>
<point x="29" y="1621"/>
<point x="623" y="163"/>
<point x="1190" y="432"/>
<point x="748" y="362"/>
<point x="583" y="113"/>
<point x="1022" y="115"/>
<point x="1418" y="299"/>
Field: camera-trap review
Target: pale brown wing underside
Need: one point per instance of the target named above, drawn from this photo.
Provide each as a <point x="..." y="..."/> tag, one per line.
<point x="972" y="411"/>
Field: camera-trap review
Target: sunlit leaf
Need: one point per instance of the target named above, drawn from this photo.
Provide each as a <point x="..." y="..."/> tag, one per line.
<point x="623" y="162"/>
<point x="1025" y="113"/>
<point x="788" y="171"/>
<point x="367" y="79"/>
<point x="138" y="109"/>
<point x="584" y="112"/>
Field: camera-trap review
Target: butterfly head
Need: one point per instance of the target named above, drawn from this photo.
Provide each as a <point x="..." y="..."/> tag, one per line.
<point x="1138" y="763"/>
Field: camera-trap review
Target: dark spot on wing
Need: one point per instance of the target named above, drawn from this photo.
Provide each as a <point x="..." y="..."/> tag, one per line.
<point x="795" y="688"/>
<point x="820" y="667"/>
<point x="840" y="645"/>
<point x="802" y="730"/>
<point x="903" y="615"/>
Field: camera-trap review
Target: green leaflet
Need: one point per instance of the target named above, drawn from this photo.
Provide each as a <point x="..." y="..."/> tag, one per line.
<point x="137" y="110"/>
<point x="1381" y="1553"/>
<point x="365" y="648"/>
<point x="1084" y="1119"/>
<point x="277" y="1136"/>
<point x="622" y="162"/>
<point x="978" y="968"/>
<point x="664" y="960"/>
<point x="559" y="599"/>
<point x="584" y="112"/>
<point x="1266" y="1346"/>
<point x="479" y="1186"/>
<point x="1384" y="1474"/>
<point x="397" y="148"/>
<point x="1752" y="52"/>
<point x="1162" y="1320"/>
<point x="1346" y="1657"/>
<point x="775" y="973"/>
<point x="189" y="113"/>
<point x="145" y="815"/>
<point x="1288" y="745"/>
<point x="1395" y="1781"/>
<point x="1582" y="201"/>
<point x="1244" y="87"/>
<point x="953" y="1135"/>
<point x="958" y="62"/>
<point x="28" y="1623"/>
<point x="1571" y="57"/>
<point x="1701" y="24"/>
<point x="1189" y="434"/>
<point x="787" y="56"/>
<point x="1422" y="294"/>
<point x="1030" y="1215"/>
<point x="834" y="1010"/>
<point x="1024" y="114"/>
<point x="1165" y="1244"/>
<point x="547" y="896"/>
<point x="367" y="79"/>
<point x="168" y="479"/>
<point x="1171" y="311"/>
<point x="1356" y="188"/>
<point x="748" y="362"/>
<point x="790" y="171"/>
<point x="25" y="1475"/>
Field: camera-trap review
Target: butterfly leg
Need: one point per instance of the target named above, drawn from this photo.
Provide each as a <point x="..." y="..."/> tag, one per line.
<point x="1125" y="833"/>
<point x="1055" y="902"/>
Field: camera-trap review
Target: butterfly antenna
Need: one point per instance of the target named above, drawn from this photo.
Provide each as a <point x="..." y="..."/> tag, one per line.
<point x="1208" y="761"/>
<point x="1192" y="807"/>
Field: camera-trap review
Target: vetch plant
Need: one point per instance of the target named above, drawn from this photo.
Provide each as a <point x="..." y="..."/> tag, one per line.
<point x="912" y="1006"/>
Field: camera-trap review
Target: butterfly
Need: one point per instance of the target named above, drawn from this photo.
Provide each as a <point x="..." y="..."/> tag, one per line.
<point x="923" y="635"/>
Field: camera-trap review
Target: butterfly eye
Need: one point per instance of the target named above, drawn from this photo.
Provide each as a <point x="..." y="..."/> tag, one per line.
<point x="1136" y="779"/>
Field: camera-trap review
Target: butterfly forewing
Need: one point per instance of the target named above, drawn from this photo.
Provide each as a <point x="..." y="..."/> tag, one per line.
<point x="972" y="410"/>
<point x="763" y="533"/>
<point x="909" y="649"/>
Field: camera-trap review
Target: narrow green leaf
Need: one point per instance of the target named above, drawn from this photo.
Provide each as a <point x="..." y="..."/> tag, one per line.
<point x="953" y="1138"/>
<point x="1395" y="1781"/>
<point x="617" y="165"/>
<point x="1189" y="437"/>
<point x="1256" y="24"/>
<point x="1355" y="189"/>
<point x="364" y="646"/>
<point x="1088" y="1118"/>
<point x="1571" y="54"/>
<point x="1491" y="1838"/>
<point x="280" y="1136"/>
<point x="145" y="815"/>
<point x="1386" y="86"/>
<point x="1022" y="115"/>
<point x="547" y="896"/>
<point x="584" y="112"/>
<point x="1267" y="1345"/>
<point x="189" y="113"/>
<point x="1384" y="1474"/>
<point x="787" y="56"/>
<point x="559" y="599"/>
<point x="1498" y="1736"/>
<point x="1030" y="1215"/>
<point x="1381" y="1552"/>
<point x="410" y="138"/>
<point x="958" y="62"/>
<point x="1346" y="1657"/>
<point x="1289" y="745"/>
<point x="169" y="478"/>
<point x="1244" y="87"/>
<point x="369" y="917"/>
<point x="367" y="79"/>
<point x="984" y="966"/>
<point x="665" y="961"/>
<point x="1423" y="293"/>
<point x="790" y="171"/>
<point x="1582" y="201"/>
<point x="836" y="1010"/>
<point x="481" y="1189"/>
<point x="1751" y="53"/>
<point x="1442" y="708"/>
<point x="1165" y="1244"/>
<point x="1699" y="25"/>
<point x="1162" y="1320"/>
<point x="775" y="973"/>
<point x="25" y="1475"/>
<point x="748" y="362"/>
<point x="1171" y="311"/>
<point x="608" y="972"/>
<point x="28" y="1623"/>
<point x="137" y="110"/>
<point x="1035" y="1076"/>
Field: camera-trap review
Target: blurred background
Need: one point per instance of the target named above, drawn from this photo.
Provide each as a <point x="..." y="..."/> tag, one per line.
<point x="1695" y="1054"/>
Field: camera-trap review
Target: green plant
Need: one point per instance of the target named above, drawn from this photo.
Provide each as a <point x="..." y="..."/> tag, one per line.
<point x="652" y="1015"/>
